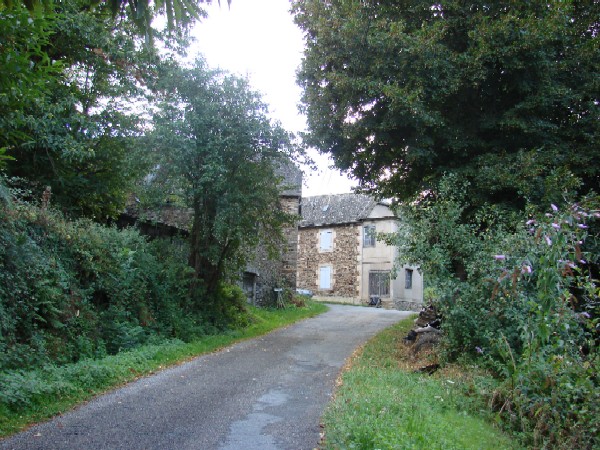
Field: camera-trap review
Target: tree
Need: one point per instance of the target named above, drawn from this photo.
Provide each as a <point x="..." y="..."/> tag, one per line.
<point x="179" y="13"/>
<point x="504" y="94"/>
<point x="216" y="150"/>
<point x="67" y="117"/>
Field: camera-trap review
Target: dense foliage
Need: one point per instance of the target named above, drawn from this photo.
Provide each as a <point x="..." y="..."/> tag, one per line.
<point x="503" y="93"/>
<point x="522" y="301"/>
<point x="483" y="118"/>
<point x="79" y="82"/>
<point x="222" y="152"/>
<point x="68" y="96"/>
<point x="72" y="290"/>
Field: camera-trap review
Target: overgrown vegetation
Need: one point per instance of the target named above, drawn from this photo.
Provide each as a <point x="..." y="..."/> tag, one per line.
<point x="28" y="396"/>
<point x="381" y="403"/>
<point x="480" y="120"/>
<point x="524" y="304"/>
<point x="78" y="86"/>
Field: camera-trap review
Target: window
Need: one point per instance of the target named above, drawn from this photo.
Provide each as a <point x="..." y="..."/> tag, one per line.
<point x="379" y="283"/>
<point x="369" y="236"/>
<point x="325" y="277"/>
<point x="408" y="273"/>
<point x="326" y="240"/>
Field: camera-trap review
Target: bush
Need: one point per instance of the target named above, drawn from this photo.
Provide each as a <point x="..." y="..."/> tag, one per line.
<point x="77" y="289"/>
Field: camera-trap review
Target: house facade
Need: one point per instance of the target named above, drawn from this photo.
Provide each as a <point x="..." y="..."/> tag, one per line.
<point x="340" y="259"/>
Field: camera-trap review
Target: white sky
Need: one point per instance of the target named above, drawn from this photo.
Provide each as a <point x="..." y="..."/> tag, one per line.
<point x="259" y="40"/>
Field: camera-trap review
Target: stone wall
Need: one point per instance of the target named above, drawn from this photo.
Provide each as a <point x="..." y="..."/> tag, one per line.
<point x="279" y="272"/>
<point x="289" y="259"/>
<point x="343" y="259"/>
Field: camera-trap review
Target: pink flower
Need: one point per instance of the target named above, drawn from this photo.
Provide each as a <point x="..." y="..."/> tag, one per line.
<point x="526" y="269"/>
<point x="499" y="257"/>
<point x="556" y="226"/>
<point x="529" y="222"/>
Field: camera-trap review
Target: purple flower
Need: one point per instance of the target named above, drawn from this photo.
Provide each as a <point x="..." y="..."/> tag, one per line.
<point x="499" y="257"/>
<point x="479" y="350"/>
<point x="554" y="207"/>
<point x="583" y="261"/>
<point x="586" y="315"/>
<point x="582" y="226"/>
<point x="526" y="269"/>
<point x="529" y="222"/>
<point x="556" y="226"/>
<point x="548" y="240"/>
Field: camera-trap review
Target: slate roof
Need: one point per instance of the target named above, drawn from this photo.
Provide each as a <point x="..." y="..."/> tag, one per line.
<point x="335" y="209"/>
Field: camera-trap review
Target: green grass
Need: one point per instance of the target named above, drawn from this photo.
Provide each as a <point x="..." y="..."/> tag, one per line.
<point x="27" y="397"/>
<point x="382" y="404"/>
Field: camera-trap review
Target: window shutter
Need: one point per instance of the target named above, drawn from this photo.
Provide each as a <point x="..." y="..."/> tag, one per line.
<point x="325" y="277"/>
<point x="326" y="240"/>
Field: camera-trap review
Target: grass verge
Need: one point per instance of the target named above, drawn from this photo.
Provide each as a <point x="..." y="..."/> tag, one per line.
<point x="27" y="397"/>
<point x="381" y="403"/>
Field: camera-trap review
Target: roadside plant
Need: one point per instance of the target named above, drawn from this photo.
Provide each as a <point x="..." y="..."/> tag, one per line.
<point x="518" y="293"/>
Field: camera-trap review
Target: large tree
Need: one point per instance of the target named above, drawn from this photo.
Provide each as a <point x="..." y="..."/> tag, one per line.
<point x="504" y="93"/>
<point x="215" y="151"/>
<point x="68" y="94"/>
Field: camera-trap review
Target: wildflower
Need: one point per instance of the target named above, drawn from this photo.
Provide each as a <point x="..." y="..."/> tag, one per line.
<point x="526" y="269"/>
<point x="529" y="222"/>
<point x="499" y="257"/>
<point x="582" y="226"/>
<point x="554" y="207"/>
<point x="479" y="350"/>
<point x="556" y="226"/>
<point x="583" y="261"/>
<point x="586" y="315"/>
<point x="548" y="240"/>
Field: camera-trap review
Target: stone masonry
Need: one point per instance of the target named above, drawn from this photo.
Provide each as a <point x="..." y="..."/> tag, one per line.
<point x="343" y="259"/>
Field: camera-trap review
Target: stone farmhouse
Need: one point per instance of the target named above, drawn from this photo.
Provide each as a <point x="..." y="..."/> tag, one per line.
<point x="340" y="259"/>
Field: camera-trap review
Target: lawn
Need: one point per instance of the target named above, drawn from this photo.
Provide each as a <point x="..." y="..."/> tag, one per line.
<point x="382" y="403"/>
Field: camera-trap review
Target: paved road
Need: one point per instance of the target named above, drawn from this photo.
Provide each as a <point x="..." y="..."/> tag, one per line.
<point x="264" y="394"/>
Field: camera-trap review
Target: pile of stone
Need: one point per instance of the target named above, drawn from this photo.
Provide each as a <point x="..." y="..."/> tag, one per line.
<point x="426" y="332"/>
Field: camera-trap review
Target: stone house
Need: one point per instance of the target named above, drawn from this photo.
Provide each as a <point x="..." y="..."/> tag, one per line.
<point x="340" y="259"/>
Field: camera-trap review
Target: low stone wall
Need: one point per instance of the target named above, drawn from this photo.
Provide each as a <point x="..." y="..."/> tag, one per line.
<point x="337" y="299"/>
<point x="403" y="305"/>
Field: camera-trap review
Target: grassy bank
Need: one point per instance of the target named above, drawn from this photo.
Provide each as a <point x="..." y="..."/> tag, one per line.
<point x="27" y="397"/>
<point x="381" y="403"/>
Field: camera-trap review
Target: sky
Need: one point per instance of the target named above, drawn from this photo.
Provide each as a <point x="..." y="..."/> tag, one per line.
<point x="258" y="39"/>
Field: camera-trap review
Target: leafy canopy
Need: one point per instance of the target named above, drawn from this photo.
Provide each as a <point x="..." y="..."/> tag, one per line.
<point x="503" y="93"/>
<point x="216" y="150"/>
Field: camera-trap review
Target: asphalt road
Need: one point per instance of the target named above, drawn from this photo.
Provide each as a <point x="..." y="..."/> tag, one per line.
<point x="263" y="394"/>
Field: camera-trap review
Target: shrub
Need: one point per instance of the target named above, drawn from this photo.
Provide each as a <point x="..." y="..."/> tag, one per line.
<point x="77" y="289"/>
<point x="521" y="295"/>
